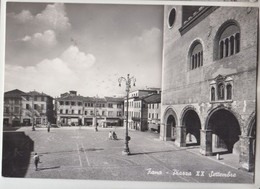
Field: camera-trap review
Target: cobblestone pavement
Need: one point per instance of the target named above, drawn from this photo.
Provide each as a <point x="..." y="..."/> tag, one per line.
<point x="82" y="153"/>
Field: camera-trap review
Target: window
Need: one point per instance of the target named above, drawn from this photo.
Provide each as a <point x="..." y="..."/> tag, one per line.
<point x="221" y="93"/>
<point x="16" y="110"/>
<point x="42" y="106"/>
<point x="42" y="98"/>
<point x="103" y="113"/>
<point x="110" y="105"/>
<point x="27" y="106"/>
<point x="229" y="91"/>
<point x="6" y="109"/>
<point x="61" y="103"/>
<point x="212" y="94"/>
<point x="119" y="105"/>
<point x="227" y="41"/>
<point x="35" y="106"/>
<point x="72" y="111"/>
<point x="149" y="115"/>
<point x="35" y="98"/>
<point x="79" y="103"/>
<point x="73" y="103"/>
<point x="171" y="19"/>
<point x="67" y="111"/>
<point x="67" y="103"/>
<point x="91" y="112"/>
<point x="61" y="111"/>
<point x="119" y="113"/>
<point x="221" y="89"/>
<point x="196" y="55"/>
<point x="86" y="112"/>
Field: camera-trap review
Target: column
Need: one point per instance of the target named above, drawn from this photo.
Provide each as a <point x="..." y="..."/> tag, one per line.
<point x="206" y="142"/>
<point x="162" y="132"/>
<point x="246" y="156"/>
<point x="181" y="136"/>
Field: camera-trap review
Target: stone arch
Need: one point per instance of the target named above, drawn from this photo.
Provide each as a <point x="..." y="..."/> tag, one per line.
<point x="171" y="121"/>
<point x="251" y="124"/>
<point x="225" y="128"/>
<point x="191" y="121"/>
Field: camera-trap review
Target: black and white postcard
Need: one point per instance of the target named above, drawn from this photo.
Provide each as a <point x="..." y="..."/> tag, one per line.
<point x="130" y="93"/>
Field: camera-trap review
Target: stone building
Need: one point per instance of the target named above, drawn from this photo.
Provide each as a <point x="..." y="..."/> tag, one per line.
<point x="209" y="80"/>
<point x="22" y="108"/>
<point x="73" y="109"/>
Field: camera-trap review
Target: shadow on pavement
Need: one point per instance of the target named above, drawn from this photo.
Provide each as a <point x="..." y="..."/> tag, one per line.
<point x="17" y="148"/>
<point x="73" y="151"/>
<point x="140" y="153"/>
<point x="45" y="168"/>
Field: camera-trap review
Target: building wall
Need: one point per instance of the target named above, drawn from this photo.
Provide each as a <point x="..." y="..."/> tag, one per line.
<point x="185" y="90"/>
<point x="182" y="86"/>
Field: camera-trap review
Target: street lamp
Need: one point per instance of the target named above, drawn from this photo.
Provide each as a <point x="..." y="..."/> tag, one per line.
<point x="33" y="126"/>
<point x="128" y="82"/>
<point x="95" y="114"/>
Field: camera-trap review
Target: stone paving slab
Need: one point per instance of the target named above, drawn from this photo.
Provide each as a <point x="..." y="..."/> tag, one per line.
<point x="82" y="153"/>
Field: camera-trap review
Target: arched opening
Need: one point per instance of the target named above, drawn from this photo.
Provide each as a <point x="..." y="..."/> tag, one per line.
<point x="225" y="132"/>
<point x="196" y="55"/>
<point x="171" y="128"/>
<point x="252" y="134"/>
<point x="192" y="123"/>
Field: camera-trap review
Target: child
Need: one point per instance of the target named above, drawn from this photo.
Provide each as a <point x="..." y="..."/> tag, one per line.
<point x="110" y="135"/>
<point x="36" y="159"/>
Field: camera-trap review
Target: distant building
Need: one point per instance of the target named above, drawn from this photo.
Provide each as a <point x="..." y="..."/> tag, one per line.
<point x="22" y="108"/>
<point x="154" y="112"/>
<point x="138" y="109"/>
<point x="73" y="109"/>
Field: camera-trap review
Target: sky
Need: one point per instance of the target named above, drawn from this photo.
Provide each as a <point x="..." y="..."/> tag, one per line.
<point x="55" y="48"/>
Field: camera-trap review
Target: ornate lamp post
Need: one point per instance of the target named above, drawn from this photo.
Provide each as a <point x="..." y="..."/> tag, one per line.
<point x="33" y="126"/>
<point x="128" y="81"/>
<point x="95" y="114"/>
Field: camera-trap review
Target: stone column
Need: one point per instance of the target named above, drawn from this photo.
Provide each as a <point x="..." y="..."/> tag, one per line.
<point x="162" y="132"/>
<point x="206" y="142"/>
<point x="181" y="136"/>
<point x="246" y="156"/>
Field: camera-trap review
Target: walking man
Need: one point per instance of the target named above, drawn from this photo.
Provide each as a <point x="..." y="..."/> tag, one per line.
<point x="49" y="126"/>
<point x="36" y="159"/>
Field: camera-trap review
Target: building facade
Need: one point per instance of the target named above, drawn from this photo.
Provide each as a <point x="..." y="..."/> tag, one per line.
<point x="23" y="109"/>
<point x="154" y="112"/>
<point x="209" y="79"/>
<point x="73" y="109"/>
<point x="138" y="109"/>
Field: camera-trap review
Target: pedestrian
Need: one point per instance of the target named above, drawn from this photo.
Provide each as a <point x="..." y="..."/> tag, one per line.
<point x="48" y="126"/>
<point x="36" y="159"/>
<point x="110" y="135"/>
<point x="114" y="135"/>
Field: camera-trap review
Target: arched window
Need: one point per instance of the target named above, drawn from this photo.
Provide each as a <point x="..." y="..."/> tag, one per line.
<point x="221" y="49"/>
<point x="196" y="55"/>
<point x="232" y="45"/>
<point x="227" y="40"/>
<point x="221" y="91"/>
<point x="212" y="94"/>
<point x="237" y="42"/>
<point x="229" y="91"/>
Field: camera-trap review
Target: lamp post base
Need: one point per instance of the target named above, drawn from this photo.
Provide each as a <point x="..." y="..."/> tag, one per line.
<point x="126" y="152"/>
